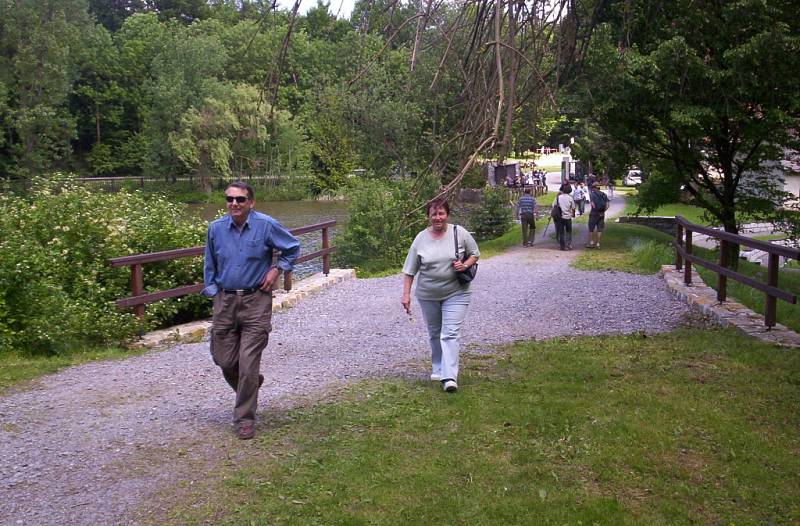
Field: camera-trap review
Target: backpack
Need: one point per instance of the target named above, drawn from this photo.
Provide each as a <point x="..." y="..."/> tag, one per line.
<point x="555" y="212"/>
<point x="603" y="199"/>
<point x="606" y="202"/>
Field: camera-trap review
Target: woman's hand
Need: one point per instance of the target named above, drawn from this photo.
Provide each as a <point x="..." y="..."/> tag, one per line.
<point x="459" y="265"/>
<point x="406" y="302"/>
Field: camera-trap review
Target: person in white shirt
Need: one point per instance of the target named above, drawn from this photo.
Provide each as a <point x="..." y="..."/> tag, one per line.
<point x="579" y="195"/>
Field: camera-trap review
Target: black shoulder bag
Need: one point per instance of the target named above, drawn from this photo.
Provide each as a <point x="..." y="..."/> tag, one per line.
<point x="467" y="275"/>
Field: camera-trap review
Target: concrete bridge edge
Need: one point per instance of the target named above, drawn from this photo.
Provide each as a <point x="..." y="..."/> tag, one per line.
<point x="703" y="299"/>
<point x="197" y="330"/>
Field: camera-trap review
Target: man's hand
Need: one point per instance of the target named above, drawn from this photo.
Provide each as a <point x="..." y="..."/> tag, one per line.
<point x="270" y="278"/>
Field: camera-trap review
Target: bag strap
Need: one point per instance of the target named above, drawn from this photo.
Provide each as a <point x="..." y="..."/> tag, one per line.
<point x="455" y="238"/>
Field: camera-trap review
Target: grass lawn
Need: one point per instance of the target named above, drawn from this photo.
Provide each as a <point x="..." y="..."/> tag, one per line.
<point x="691" y="213"/>
<point x="690" y="427"/>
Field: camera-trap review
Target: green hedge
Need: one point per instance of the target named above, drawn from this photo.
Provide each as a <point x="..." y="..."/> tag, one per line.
<point x="57" y="290"/>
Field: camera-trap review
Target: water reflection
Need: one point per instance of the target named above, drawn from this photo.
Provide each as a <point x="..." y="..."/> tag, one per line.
<point x="292" y="214"/>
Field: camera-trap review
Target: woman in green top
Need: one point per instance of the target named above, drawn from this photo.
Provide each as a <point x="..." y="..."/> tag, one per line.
<point x="443" y="299"/>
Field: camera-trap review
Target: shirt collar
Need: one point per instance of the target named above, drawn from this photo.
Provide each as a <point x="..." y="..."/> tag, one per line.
<point x="245" y="226"/>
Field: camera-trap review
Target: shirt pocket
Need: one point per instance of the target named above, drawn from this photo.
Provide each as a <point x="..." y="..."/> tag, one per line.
<point x="255" y="250"/>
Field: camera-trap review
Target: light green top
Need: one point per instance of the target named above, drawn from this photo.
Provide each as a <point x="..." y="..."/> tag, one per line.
<point x="433" y="260"/>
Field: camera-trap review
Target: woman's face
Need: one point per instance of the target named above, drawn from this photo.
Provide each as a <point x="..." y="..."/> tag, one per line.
<point x="438" y="218"/>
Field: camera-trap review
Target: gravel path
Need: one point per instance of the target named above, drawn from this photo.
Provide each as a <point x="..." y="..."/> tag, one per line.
<point x="95" y="444"/>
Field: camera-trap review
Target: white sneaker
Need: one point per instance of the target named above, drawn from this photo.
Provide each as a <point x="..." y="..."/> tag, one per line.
<point x="450" y="386"/>
<point x="436" y="377"/>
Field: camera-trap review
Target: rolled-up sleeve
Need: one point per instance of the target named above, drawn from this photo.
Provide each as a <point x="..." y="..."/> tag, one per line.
<point x="209" y="268"/>
<point x="289" y="246"/>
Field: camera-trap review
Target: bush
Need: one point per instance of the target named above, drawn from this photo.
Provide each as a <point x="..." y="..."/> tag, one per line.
<point x="57" y="290"/>
<point x="379" y="232"/>
<point x="493" y="217"/>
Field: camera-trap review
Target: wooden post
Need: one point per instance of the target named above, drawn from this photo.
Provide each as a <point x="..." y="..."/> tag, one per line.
<point x="687" y="268"/>
<point x="137" y="287"/>
<point x="679" y="243"/>
<point x="770" y="311"/>
<point x="722" y="281"/>
<point x="326" y="259"/>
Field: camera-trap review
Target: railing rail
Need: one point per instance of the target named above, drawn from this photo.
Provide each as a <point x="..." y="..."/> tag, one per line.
<point x="138" y="299"/>
<point x="684" y="258"/>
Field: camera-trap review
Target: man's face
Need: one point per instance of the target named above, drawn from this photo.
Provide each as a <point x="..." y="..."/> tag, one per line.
<point x="238" y="210"/>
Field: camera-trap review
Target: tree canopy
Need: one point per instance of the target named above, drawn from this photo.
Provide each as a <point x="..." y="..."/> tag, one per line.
<point x="703" y="92"/>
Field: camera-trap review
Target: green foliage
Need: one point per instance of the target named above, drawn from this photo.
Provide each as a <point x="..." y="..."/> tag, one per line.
<point x="706" y="89"/>
<point x="662" y="187"/>
<point x="492" y="218"/>
<point x="475" y="177"/>
<point x="379" y="231"/>
<point x="57" y="289"/>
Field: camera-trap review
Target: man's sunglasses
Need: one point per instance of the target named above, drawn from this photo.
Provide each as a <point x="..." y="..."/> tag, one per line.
<point x="238" y="198"/>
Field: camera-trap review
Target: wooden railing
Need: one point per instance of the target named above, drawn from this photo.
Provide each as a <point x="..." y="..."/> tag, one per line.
<point x="683" y="254"/>
<point x="139" y="299"/>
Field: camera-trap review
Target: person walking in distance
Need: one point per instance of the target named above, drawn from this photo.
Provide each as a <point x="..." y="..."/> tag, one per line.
<point x="564" y="211"/>
<point x="527" y="217"/>
<point x="599" y="204"/>
<point x="239" y="275"/>
<point x="578" y="195"/>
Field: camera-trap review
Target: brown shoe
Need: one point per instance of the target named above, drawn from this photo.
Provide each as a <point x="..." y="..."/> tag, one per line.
<point x="246" y="432"/>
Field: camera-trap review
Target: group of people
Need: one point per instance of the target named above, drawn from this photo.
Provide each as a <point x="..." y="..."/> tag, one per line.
<point x="239" y="274"/>
<point x="532" y="178"/>
<point x="570" y="201"/>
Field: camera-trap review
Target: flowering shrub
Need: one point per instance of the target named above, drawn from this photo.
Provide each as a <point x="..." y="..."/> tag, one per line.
<point x="57" y="290"/>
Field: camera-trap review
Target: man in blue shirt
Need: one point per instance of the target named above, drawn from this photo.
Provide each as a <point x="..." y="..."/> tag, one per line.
<point x="527" y="218"/>
<point x="239" y="275"/>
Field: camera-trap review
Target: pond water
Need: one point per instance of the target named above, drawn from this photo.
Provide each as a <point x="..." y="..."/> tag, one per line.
<point x="292" y="214"/>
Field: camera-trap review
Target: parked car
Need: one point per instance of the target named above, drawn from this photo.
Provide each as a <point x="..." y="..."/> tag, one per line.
<point x="632" y="178"/>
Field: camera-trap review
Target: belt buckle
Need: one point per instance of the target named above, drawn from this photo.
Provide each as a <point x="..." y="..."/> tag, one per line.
<point x="240" y="292"/>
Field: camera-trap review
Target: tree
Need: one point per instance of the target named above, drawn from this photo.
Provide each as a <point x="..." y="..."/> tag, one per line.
<point x="39" y="69"/>
<point x="185" y="71"/>
<point x="237" y="131"/>
<point x="707" y="92"/>
<point x="112" y="13"/>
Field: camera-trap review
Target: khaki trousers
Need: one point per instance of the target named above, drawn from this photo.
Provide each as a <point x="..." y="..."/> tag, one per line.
<point x="239" y="333"/>
<point x="528" y="222"/>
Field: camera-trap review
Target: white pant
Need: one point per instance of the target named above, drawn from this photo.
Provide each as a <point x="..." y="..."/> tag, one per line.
<point x="444" y="318"/>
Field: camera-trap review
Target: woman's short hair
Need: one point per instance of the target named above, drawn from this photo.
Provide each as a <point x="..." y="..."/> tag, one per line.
<point x="437" y="203"/>
<point x="565" y="188"/>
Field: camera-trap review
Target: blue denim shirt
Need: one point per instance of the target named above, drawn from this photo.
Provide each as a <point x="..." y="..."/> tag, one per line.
<point x="237" y="259"/>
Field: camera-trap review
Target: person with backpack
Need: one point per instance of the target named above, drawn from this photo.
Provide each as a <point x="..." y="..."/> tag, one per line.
<point x="599" y="203"/>
<point x="527" y="217"/>
<point x="562" y="213"/>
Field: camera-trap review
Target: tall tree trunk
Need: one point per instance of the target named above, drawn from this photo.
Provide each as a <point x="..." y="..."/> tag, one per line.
<point x="512" y="81"/>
